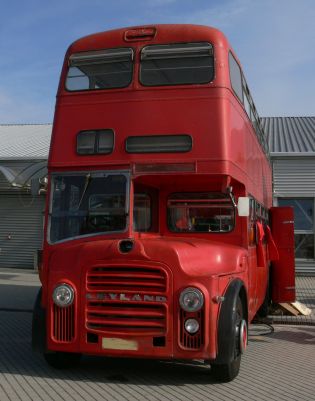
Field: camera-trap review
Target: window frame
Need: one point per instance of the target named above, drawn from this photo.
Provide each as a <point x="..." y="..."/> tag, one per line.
<point x="231" y="57"/>
<point x="100" y="173"/>
<point x="77" y="55"/>
<point x="150" y="137"/>
<point x="211" y="54"/>
<point x="98" y="133"/>
<point x="149" y="229"/>
<point x="192" y="231"/>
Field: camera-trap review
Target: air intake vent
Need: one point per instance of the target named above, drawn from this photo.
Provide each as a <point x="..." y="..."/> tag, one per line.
<point x="63" y="324"/>
<point x="192" y="341"/>
<point x="124" y="279"/>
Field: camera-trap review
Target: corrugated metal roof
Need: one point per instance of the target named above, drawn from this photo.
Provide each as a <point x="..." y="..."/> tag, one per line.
<point x="25" y="141"/>
<point x="290" y="134"/>
<point x="284" y="135"/>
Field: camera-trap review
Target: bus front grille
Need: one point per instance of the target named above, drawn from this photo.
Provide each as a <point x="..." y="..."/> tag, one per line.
<point x="126" y="318"/>
<point x="119" y="278"/>
<point x="127" y="300"/>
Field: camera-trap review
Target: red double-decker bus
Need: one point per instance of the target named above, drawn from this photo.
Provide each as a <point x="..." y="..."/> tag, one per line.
<point x="157" y="239"/>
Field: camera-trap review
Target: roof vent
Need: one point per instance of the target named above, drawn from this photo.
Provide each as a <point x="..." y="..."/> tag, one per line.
<point x="139" y="34"/>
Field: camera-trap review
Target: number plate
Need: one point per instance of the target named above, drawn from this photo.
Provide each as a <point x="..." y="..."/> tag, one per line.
<point x="119" y="344"/>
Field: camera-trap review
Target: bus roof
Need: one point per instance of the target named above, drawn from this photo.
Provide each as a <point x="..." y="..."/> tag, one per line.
<point x="149" y="34"/>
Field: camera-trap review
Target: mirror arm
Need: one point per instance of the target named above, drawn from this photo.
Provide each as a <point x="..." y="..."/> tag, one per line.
<point x="231" y="195"/>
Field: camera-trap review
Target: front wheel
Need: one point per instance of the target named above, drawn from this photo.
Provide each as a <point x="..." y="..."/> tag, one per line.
<point x="62" y="360"/>
<point x="225" y="372"/>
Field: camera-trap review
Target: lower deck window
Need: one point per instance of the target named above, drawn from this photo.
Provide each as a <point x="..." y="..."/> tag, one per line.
<point x="200" y="212"/>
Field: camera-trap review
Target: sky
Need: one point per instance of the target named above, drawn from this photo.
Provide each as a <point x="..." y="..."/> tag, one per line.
<point x="274" y="40"/>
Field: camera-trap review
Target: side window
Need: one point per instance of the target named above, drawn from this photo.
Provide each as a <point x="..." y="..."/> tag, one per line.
<point x="200" y="212"/>
<point x="247" y="105"/>
<point x="142" y="213"/>
<point x="247" y="98"/>
<point x="236" y="77"/>
<point x="252" y="223"/>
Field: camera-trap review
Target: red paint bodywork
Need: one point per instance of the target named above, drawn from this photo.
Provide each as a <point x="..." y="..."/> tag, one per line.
<point x="225" y="150"/>
<point x="283" y="269"/>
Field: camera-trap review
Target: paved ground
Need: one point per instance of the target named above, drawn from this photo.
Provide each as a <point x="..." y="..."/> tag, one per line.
<point x="305" y="293"/>
<point x="277" y="366"/>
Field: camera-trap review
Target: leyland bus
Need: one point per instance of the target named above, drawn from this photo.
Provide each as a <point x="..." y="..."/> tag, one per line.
<point x="159" y="204"/>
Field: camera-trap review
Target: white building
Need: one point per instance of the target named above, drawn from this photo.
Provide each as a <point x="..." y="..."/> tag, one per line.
<point x="23" y="154"/>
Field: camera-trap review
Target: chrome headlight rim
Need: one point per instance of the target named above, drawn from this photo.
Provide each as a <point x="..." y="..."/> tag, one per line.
<point x="63" y="287"/>
<point x="185" y="292"/>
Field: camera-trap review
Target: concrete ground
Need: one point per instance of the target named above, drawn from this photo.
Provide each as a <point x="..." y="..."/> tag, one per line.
<point x="278" y="365"/>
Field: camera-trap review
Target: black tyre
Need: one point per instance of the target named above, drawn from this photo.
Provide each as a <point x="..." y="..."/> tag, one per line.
<point x="225" y="372"/>
<point x="62" y="360"/>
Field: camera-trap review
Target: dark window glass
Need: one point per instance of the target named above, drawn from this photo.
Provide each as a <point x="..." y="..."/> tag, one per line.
<point x="95" y="142"/>
<point x="159" y="144"/>
<point x="236" y="77"/>
<point x="303" y="226"/>
<point x="103" y="69"/>
<point x="304" y="246"/>
<point x="86" y="142"/>
<point x="142" y="212"/>
<point x="303" y="212"/>
<point x="85" y="204"/>
<point x="177" y="64"/>
<point x="247" y="106"/>
<point x="200" y="212"/>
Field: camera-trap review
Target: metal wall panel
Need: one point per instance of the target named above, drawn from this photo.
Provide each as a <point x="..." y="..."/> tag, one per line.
<point x="21" y="229"/>
<point x="294" y="177"/>
<point x="21" y="222"/>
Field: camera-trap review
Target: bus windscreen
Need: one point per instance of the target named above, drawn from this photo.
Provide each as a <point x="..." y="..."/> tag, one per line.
<point x="87" y="204"/>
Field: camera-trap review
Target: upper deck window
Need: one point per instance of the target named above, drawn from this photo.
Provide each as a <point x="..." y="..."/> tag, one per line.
<point x="102" y="69"/>
<point x="236" y="77"/>
<point x="177" y="64"/>
<point x="159" y="144"/>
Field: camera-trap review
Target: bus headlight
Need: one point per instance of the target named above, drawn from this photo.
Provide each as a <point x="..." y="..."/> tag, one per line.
<point x="191" y="326"/>
<point x="191" y="299"/>
<point x="63" y="295"/>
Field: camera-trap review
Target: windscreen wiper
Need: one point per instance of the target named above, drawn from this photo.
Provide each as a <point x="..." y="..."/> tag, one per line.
<point x="88" y="180"/>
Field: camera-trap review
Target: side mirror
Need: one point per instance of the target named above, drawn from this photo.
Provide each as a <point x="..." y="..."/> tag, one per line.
<point x="243" y="206"/>
<point x="39" y="186"/>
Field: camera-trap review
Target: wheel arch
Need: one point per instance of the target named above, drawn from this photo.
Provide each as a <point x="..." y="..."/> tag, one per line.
<point x="226" y="320"/>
